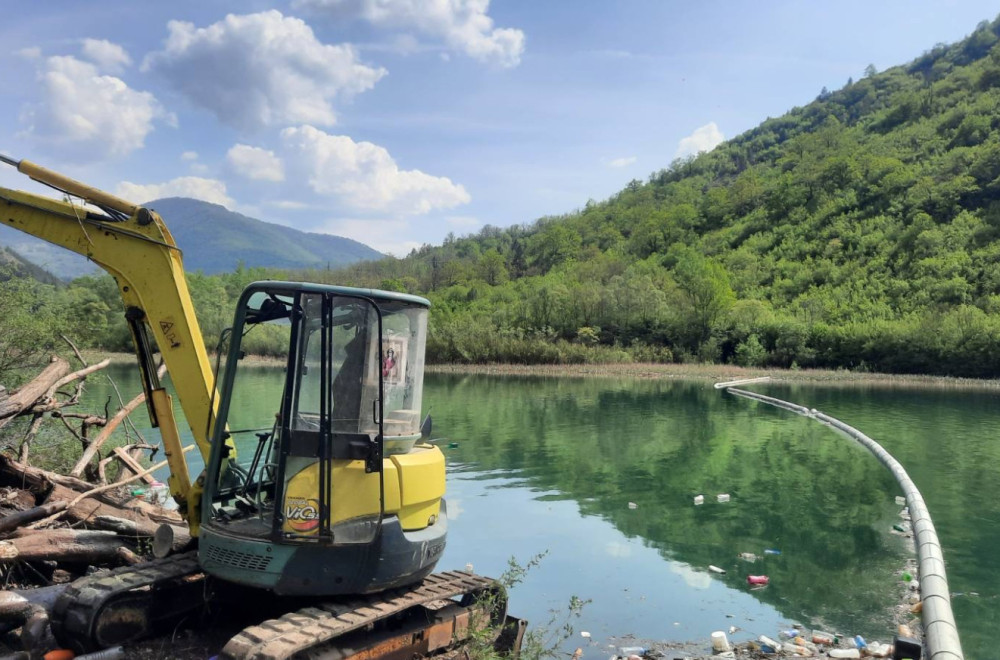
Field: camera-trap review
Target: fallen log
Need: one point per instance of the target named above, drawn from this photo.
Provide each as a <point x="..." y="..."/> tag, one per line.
<point x="133" y="464"/>
<point x="15" y="520"/>
<point x="63" y="545"/>
<point x="96" y="504"/>
<point x="113" y="423"/>
<point x="26" y="396"/>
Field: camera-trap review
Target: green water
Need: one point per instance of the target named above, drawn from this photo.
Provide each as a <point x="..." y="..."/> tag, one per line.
<point x="552" y="465"/>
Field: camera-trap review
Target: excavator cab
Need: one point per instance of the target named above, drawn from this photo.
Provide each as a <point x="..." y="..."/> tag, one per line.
<point x="321" y="485"/>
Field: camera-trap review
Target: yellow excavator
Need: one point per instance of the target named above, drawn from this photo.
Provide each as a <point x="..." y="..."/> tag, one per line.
<point x="323" y="498"/>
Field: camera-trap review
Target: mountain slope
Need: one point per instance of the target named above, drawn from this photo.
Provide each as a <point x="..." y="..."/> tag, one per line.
<point x="214" y="240"/>
<point x="862" y="230"/>
<point x="13" y="264"/>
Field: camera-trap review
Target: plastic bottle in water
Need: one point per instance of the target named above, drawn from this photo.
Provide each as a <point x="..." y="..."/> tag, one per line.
<point x="859" y="641"/>
<point x="757" y="579"/>
<point x="113" y="653"/>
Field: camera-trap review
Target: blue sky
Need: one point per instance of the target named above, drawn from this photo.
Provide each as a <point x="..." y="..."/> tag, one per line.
<point x="395" y="122"/>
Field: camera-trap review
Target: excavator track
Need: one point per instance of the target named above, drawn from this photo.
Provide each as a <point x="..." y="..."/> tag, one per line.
<point x="95" y="612"/>
<point x="305" y="632"/>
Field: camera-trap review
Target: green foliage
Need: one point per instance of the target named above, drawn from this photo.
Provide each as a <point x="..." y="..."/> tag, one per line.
<point x="29" y="327"/>
<point x="860" y="230"/>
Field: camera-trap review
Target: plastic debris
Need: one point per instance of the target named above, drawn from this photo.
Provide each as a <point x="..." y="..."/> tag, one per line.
<point x="768" y="645"/>
<point x="788" y="634"/>
<point x="772" y="551"/>
<point x="795" y="649"/>
<point x="844" y="653"/>
<point x="722" y="497"/>
<point x="632" y="650"/>
<point x="633" y="505"/>
<point x="719" y="642"/>
<point x="469" y="567"/>
<point x="699" y="499"/>
<point x="452" y="445"/>
<point x="900" y="500"/>
<point x="113" y="653"/>
<point x="716" y="569"/>
<point x="879" y="650"/>
<point x="748" y="556"/>
<point x="732" y="630"/>
<point x="584" y="634"/>
<point x="859" y="641"/>
<point x="758" y="579"/>
<point x="820" y="637"/>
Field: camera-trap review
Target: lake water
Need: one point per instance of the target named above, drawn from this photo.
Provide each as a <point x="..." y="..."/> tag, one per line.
<point x="551" y="465"/>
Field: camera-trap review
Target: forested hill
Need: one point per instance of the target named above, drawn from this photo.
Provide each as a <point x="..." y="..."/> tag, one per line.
<point x="859" y="231"/>
<point x="213" y="240"/>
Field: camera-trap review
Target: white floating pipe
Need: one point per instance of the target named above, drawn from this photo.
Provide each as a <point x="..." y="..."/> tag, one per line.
<point x="940" y="630"/>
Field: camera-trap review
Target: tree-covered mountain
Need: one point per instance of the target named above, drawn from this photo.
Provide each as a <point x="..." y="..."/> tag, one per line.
<point x="14" y="265"/>
<point x="214" y="240"/>
<point x="861" y="230"/>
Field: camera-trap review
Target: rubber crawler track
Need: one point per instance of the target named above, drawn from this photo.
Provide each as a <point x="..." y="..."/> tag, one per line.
<point x="295" y="632"/>
<point x="76" y="611"/>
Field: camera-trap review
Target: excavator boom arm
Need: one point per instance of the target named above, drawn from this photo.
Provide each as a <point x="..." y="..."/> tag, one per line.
<point x="139" y="252"/>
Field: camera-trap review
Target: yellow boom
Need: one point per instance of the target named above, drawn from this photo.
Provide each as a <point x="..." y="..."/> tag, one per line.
<point x="136" y="248"/>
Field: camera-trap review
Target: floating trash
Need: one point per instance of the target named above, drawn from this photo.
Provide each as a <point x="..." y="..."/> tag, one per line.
<point x="699" y="499"/>
<point x="716" y="569"/>
<point x="633" y="505"/>
<point x="722" y="497"/>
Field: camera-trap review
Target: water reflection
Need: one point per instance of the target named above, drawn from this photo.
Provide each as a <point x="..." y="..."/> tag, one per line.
<point x="547" y="464"/>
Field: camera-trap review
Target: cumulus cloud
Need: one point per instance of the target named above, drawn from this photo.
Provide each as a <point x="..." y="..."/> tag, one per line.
<point x="364" y="176"/>
<point x="89" y="115"/>
<point x="208" y="190"/>
<point x="704" y="138"/>
<point x="260" y="70"/>
<point x="624" y="161"/>
<point x="255" y="163"/>
<point x="381" y="235"/>
<point x="462" y="25"/>
<point x="106" y="55"/>
<point x="29" y="53"/>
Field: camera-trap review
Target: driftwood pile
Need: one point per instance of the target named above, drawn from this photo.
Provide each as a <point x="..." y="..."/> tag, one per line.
<point x="55" y="527"/>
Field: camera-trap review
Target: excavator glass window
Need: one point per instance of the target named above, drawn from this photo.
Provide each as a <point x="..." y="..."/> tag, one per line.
<point x="302" y="459"/>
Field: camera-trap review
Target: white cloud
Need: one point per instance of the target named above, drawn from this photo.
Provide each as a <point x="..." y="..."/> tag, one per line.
<point x="382" y="235"/>
<point x="208" y="190"/>
<point x="255" y="163"/>
<point x="704" y="138"/>
<point x="364" y="176"/>
<point x="107" y="56"/>
<point x="260" y="69"/>
<point x="624" y="161"/>
<point x="463" y="221"/>
<point x="189" y="155"/>
<point x="287" y="204"/>
<point x="89" y="115"/>
<point x="30" y="53"/>
<point x="462" y="25"/>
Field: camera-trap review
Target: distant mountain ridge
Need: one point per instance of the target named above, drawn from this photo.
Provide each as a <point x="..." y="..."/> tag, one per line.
<point x="213" y="240"/>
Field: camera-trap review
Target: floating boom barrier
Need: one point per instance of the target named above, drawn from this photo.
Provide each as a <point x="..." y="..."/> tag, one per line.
<point x="937" y="617"/>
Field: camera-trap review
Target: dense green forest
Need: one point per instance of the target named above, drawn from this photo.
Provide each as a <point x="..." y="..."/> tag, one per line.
<point x="861" y="231"/>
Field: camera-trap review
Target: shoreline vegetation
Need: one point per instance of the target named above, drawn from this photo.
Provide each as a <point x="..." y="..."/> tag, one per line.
<point x="706" y="372"/>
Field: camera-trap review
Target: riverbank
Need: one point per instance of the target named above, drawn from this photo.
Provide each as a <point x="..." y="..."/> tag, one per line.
<point x="706" y="372"/>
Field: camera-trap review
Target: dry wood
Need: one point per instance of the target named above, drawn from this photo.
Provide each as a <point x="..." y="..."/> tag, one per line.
<point x="95" y="504"/>
<point x="76" y="375"/>
<point x="133" y="464"/>
<point x="26" y="397"/>
<point x="15" y="520"/>
<point x="66" y="545"/>
<point x="113" y="423"/>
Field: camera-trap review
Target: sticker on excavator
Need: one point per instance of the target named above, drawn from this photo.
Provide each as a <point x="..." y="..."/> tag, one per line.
<point x="302" y="503"/>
